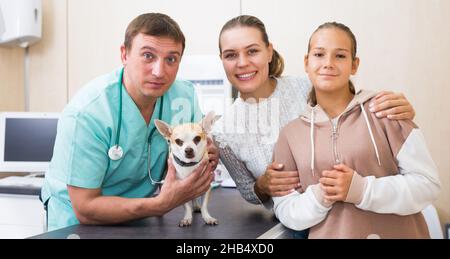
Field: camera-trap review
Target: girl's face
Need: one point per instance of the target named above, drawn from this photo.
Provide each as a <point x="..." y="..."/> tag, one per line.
<point x="329" y="63"/>
<point x="246" y="59"/>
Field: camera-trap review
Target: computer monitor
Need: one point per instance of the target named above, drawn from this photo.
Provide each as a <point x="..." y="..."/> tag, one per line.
<point x="26" y="141"/>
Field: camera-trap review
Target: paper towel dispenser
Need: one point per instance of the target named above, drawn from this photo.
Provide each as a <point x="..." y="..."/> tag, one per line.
<point x="20" y="22"/>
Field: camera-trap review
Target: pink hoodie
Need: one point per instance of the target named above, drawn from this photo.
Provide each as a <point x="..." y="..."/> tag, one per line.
<point x="395" y="177"/>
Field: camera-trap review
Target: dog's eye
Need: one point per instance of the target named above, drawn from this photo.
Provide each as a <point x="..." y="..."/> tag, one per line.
<point x="197" y="140"/>
<point x="179" y="142"/>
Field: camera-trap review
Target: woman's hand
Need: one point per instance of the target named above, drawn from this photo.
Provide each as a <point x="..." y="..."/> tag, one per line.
<point x="213" y="154"/>
<point x="392" y="105"/>
<point x="336" y="183"/>
<point x="276" y="183"/>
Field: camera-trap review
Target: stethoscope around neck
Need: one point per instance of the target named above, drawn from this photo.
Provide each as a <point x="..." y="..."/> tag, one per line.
<point x="116" y="152"/>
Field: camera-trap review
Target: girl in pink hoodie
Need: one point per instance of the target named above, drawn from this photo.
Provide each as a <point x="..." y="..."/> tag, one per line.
<point x="362" y="177"/>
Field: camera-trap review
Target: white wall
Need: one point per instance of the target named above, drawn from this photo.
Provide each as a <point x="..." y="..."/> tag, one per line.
<point x="11" y="79"/>
<point x="48" y="60"/>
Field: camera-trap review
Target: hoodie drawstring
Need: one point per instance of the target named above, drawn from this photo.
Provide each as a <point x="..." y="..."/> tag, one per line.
<point x="312" y="142"/>
<point x="372" y="138"/>
<point x="370" y="132"/>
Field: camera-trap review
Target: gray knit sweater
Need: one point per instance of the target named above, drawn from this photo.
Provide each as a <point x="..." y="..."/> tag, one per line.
<point x="248" y="131"/>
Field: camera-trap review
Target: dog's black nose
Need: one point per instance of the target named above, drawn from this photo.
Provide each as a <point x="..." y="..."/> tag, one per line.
<point x="189" y="151"/>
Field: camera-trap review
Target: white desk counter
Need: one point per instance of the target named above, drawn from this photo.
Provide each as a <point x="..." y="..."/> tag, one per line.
<point x="21" y="212"/>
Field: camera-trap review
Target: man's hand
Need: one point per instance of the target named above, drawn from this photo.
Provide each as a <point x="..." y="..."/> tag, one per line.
<point x="336" y="183"/>
<point x="392" y="105"/>
<point x="175" y="192"/>
<point x="276" y="183"/>
<point x="213" y="154"/>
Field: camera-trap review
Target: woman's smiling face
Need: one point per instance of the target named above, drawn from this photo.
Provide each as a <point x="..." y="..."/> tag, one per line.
<point x="245" y="57"/>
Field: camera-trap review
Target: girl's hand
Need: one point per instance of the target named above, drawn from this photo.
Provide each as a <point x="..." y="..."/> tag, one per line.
<point x="392" y="105"/>
<point x="336" y="183"/>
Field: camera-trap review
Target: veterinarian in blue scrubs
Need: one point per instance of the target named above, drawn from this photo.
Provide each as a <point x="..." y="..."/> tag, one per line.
<point x="109" y="159"/>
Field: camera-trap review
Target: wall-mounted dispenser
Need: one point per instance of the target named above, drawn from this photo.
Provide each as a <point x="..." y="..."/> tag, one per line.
<point x="20" y="22"/>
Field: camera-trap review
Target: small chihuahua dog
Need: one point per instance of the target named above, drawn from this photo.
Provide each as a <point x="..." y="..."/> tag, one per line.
<point x="187" y="148"/>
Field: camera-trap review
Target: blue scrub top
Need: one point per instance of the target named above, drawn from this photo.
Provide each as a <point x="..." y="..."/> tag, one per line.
<point x="88" y="128"/>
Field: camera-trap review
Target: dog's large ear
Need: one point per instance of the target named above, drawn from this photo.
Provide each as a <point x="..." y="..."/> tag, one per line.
<point x="163" y="128"/>
<point x="208" y="121"/>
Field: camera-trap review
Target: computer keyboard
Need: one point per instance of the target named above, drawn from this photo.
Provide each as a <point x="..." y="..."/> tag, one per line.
<point x="20" y="181"/>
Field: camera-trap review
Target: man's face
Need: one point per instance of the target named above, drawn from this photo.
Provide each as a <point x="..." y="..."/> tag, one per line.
<point x="151" y="65"/>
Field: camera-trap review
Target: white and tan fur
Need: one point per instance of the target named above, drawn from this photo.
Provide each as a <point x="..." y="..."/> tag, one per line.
<point x="187" y="148"/>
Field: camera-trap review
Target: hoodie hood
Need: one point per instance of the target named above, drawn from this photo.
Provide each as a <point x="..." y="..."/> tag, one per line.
<point x="316" y="114"/>
<point x="361" y="97"/>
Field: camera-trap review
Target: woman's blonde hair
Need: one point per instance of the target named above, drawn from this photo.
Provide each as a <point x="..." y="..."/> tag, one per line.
<point x="334" y="25"/>
<point x="276" y="66"/>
